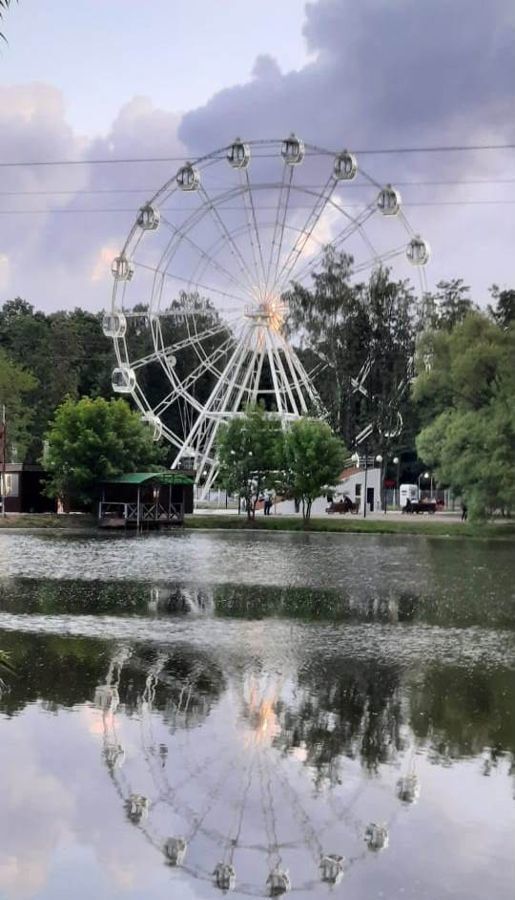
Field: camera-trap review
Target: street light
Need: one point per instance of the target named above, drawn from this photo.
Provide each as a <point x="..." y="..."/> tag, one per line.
<point x="425" y="476"/>
<point x="396" y="461"/>
<point x="382" y="493"/>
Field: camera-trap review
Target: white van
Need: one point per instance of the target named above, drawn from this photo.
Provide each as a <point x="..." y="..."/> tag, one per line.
<point x="408" y="492"/>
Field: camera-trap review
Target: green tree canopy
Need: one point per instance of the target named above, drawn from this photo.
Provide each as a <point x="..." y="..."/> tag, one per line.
<point x="504" y="311"/>
<point x="17" y="387"/>
<point x="313" y="459"/>
<point x="466" y="389"/>
<point x="249" y="452"/>
<point x="347" y="328"/>
<point x="91" y="440"/>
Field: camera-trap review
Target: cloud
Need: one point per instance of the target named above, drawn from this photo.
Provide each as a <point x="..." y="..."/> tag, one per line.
<point x="58" y="251"/>
<point x="390" y="73"/>
<point x="380" y="73"/>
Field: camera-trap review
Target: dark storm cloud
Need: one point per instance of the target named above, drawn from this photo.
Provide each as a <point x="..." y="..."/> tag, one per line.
<point x="383" y="71"/>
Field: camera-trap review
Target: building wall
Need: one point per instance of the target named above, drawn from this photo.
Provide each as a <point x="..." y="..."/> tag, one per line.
<point x="25" y="490"/>
<point x="352" y="484"/>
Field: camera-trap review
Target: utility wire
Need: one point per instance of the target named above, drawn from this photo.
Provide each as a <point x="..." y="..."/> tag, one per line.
<point x="133" y="210"/>
<point x="366" y="151"/>
<point x="95" y="191"/>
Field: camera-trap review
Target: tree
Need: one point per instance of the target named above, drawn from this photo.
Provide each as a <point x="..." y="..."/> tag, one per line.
<point x="17" y="386"/>
<point x="347" y="328"/>
<point x="467" y="390"/>
<point x="504" y="312"/>
<point x="453" y="303"/>
<point x="249" y="451"/>
<point x="313" y="459"/>
<point x="4" y="6"/>
<point x="91" y="440"/>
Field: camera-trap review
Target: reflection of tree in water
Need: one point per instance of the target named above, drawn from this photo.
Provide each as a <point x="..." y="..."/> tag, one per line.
<point x="61" y="671"/>
<point x="463" y="711"/>
<point x="344" y="708"/>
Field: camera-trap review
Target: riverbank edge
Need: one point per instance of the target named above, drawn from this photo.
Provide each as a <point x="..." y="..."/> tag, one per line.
<point x="353" y="526"/>
<point x="438" y="528"/>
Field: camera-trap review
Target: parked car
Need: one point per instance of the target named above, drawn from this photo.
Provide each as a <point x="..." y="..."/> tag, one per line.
<point x="344" y="505"/>
<point x="420" y="506"/>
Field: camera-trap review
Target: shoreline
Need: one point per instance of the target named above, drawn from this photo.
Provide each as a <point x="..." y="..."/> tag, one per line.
<point x="83" y="523"/>
<point x="436" y="528"/>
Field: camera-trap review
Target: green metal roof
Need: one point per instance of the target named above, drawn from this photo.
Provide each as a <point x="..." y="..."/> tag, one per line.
<point x="142" y="477"/>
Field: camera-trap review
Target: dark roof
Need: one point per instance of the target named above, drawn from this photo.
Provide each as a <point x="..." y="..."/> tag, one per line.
<point x="142" y="477"/>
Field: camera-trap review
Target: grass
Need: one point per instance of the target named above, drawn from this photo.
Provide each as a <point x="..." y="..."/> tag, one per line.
<point x="353" y="525"/>
<point x="46" y="520"/>
<point x="349" y="525"/>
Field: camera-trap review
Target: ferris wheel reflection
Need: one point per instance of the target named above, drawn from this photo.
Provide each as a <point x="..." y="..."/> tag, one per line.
<point x="203" y="757"/>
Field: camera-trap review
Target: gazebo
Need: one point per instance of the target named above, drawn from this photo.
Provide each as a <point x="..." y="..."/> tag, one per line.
<point x="146" y="499"/>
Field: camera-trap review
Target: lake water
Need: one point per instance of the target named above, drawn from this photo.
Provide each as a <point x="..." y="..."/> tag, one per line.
<point x="192" y="712"/>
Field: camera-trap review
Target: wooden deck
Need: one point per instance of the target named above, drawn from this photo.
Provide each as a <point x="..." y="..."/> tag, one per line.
<point x="141" y="516"/>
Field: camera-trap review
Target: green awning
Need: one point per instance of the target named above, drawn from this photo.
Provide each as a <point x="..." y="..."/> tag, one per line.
<point x="142" y="477"/>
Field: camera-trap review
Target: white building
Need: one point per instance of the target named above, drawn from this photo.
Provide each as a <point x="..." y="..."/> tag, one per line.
<point x="355" y="481"/>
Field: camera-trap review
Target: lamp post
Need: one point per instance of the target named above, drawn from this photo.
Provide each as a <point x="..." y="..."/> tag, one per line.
<point x="382" y="497"/>
<point x="397" y="462"/>
<point x="425" y="476"/>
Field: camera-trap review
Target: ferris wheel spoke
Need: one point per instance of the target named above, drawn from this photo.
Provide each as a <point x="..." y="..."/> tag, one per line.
<point x="253" y="216"/>
<point x="205" y="287"/>
<point x="281" y="233"/>
<point x="175" y="348"/>
<point x="280" y="193"/>
<point x="182" y="387"/>
<point x="235" y="250"/>
<point x="378" y="260"/>
<point x="306" y="232"/>
<point x="356" y="224"/>
<point x="206" y="257"/>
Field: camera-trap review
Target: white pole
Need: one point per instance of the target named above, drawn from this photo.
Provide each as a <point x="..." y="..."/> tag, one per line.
<point x="4" y="451"/>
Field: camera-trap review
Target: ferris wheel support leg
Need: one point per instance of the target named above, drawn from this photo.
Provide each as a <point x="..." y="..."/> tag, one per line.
<point x="204" y="415"/>
<point x="257" y="378"/>
<point x="285" y="381"/>
<point x="271" y="361"/>
<point x="300" y="394"/>
<point x="313" y="396"/>
<point x="206" y="453"/>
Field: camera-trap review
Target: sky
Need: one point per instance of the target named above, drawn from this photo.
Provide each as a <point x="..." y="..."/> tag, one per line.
<point x="113" y="79"/>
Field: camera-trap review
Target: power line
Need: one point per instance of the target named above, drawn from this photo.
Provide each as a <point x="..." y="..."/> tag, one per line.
<point x="146" y="191"/>
<point x="365" y="151"/>
<point x="133" y="210"/>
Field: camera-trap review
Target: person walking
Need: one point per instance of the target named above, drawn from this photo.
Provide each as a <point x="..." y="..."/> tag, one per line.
<point x="464" y="512"/>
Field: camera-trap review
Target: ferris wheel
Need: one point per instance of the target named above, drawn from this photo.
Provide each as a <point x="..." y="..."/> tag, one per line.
<point x="235" y="811"/>
<point x="205" y="272"/>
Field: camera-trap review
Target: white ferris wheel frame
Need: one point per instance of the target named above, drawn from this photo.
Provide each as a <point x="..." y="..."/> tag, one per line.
<point x="252" y="291"/>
